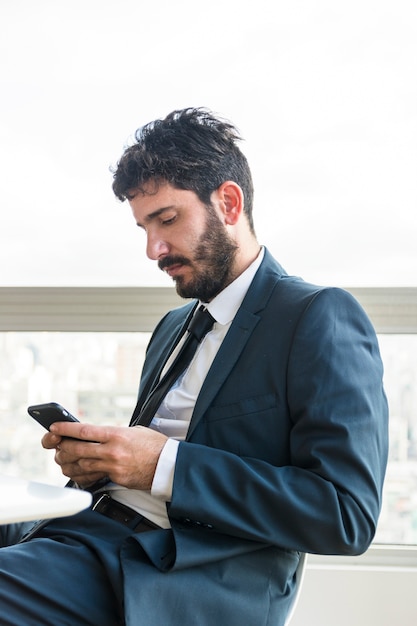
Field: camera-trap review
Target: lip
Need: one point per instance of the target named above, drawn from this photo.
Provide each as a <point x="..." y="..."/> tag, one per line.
<point x="174" y="270"/>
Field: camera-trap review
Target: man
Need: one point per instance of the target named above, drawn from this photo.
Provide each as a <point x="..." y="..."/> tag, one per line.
<point x="273" y="442"/>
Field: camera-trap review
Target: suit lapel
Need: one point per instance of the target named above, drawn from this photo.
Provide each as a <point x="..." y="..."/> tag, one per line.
<point x="243" y="325"/>
<point x="229" y="352"/>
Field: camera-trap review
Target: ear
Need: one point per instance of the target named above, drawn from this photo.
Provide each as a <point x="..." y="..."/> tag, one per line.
<point x="231" y="201"/>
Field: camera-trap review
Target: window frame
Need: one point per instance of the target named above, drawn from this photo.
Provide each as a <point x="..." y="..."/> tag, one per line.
<point x="94" y="309"/>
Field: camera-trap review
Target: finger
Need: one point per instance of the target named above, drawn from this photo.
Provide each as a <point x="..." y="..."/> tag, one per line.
<point x="80" y="477"/>
<point x="76" y="430"/>
<point x="50" y="441"/>
<point x="81" y="470"/>
<point x="75" y="450"/>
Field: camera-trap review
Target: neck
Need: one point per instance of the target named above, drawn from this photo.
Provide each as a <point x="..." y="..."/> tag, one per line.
<point x="247" y="253"/>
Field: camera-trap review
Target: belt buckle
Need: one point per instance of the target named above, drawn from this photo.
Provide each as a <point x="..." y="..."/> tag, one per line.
<point x="104" y="499"/>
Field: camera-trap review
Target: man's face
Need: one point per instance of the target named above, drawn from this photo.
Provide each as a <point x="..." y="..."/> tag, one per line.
<point x="188" y="239"/>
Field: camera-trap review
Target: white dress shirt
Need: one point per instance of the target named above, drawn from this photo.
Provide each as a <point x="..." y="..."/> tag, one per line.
<point x="174" y="414"/>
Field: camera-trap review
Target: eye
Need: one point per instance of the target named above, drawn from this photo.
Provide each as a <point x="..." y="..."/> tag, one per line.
<point x="169" y="220"/>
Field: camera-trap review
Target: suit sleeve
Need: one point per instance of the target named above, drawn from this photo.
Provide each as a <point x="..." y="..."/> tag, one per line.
<point x="327" y="498"/>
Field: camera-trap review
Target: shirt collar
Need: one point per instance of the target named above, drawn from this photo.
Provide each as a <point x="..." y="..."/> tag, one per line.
<point x="226" y="304"/>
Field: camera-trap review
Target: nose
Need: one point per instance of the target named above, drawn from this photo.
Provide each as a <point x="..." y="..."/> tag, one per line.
<point x="156" y="247"/>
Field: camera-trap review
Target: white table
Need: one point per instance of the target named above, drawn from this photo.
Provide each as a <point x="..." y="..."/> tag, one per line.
<point x="26" y="500"/>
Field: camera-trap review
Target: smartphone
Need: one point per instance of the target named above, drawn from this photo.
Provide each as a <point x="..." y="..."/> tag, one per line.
<point x="47" y="414"/>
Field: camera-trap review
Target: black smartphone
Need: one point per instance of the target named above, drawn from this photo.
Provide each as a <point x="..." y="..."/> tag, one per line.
<point x="47" y="414"/>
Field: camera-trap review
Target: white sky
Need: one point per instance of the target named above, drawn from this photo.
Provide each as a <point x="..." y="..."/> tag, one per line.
<point x="324" y="93"/>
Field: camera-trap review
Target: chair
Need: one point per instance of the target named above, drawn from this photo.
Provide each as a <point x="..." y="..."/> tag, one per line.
<point x="299" y="578"/>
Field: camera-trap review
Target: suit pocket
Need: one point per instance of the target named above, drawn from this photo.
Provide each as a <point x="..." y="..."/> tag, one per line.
<point x="256" y="427"/>
<point x="241" y="408"/>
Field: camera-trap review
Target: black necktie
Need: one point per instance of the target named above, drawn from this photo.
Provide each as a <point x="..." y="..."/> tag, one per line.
<point x="198" y="327"/>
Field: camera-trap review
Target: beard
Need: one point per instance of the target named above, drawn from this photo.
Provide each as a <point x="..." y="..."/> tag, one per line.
<point x="213" y="259"/>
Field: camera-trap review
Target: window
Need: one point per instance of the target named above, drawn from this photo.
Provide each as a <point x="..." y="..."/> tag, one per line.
<point x="95" y="375"/>
<point x="398" y="522"/>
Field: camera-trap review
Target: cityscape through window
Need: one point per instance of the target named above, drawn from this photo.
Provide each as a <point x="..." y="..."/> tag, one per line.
<point x="95" y="376"/>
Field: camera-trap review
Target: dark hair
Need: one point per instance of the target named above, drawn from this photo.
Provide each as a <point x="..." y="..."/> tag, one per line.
<point x="190" y="149"/>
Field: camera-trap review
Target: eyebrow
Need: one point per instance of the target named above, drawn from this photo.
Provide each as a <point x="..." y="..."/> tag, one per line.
<point x="155" y="214"/>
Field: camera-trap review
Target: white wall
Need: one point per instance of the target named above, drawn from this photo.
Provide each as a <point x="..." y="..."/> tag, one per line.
<point x="357" y="596"/>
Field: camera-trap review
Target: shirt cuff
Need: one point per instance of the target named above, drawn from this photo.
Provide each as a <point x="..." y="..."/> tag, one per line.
<point x="163" y="479"/>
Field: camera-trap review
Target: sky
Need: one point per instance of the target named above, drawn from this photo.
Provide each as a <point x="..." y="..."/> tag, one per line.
<point x="324" y="94"/>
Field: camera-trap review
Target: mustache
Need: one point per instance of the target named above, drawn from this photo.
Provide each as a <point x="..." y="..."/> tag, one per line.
<point x="167" y="261"/>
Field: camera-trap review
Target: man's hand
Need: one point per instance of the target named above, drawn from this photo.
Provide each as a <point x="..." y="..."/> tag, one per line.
<point x="128" y="456"/>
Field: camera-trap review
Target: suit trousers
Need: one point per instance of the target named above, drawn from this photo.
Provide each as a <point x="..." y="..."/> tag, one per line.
<point x="68" y="574"/>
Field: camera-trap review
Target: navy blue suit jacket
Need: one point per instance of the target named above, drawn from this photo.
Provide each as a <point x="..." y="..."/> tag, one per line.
<point x="286" y="453"/>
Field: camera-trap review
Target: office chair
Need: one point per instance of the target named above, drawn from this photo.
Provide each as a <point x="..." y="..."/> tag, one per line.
<point x="299" y="578"/>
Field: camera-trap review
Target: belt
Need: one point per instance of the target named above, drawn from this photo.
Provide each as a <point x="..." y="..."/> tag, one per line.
<point x="104" y="504"/>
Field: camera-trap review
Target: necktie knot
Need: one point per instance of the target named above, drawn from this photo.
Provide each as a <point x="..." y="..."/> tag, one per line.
<point x="201" y="323"/>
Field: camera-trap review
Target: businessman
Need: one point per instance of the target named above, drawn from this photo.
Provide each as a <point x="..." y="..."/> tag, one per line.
<point x="268" y="440"/>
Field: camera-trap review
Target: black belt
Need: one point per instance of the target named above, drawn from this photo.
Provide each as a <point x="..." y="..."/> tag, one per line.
<point x="104" y="504"/>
